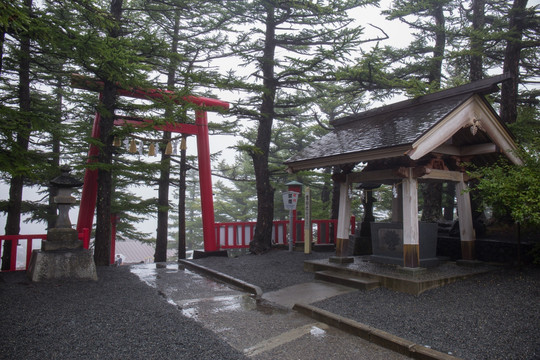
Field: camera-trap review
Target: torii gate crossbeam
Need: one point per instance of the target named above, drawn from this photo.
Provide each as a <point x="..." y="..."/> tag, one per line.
<point x="200" y="129"/>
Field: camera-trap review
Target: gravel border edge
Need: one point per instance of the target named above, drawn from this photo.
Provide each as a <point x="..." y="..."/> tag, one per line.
<point x="371" y="334"/>
<point x="253" y="289"/>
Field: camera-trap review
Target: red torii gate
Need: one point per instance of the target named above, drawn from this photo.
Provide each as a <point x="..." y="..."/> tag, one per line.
<point x="200" y="129"/>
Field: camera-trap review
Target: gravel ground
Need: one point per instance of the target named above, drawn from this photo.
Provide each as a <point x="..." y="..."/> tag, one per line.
<point x="490" y="316"/>
<point x="117" y="317"/>
<point x="272" y="271"/>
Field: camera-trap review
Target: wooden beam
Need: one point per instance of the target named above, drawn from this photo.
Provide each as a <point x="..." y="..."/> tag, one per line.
<point x="471" y="150"/>
<point x="91" y="84"/>
<point x="375" y="176"/>
<point x="190" y="129"/>
<point x="390" y="175"/>
<point x="479" y="149"/>
<point x="447" y="149"/>
<point x="440" y="133"/>
<point x="349" y="158"/>
<point x="446" y="175"/>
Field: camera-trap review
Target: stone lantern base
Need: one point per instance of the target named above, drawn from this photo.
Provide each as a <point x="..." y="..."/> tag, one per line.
<point x="61" y="239"/>
<point x="64" y="264"/>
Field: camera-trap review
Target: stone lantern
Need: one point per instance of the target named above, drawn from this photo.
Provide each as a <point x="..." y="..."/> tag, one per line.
<point x="63" y="236"/>
<point x="62" y="255"/>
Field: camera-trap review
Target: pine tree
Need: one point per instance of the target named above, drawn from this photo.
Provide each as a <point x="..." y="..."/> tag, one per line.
<point x="520" y="20"/>
<point x="290" y="44"/>
<point x="193" y="30"/>
<point x="428" y="19"/>
<point x="18" y="119"/>
<point x="95" y="41"/>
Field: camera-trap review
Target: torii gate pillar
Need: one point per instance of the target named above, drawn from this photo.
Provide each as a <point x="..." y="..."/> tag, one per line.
<point x="205" y="182"/>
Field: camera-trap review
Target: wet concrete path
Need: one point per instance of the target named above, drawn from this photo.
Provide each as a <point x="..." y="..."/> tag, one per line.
<point x="260" y="328"/>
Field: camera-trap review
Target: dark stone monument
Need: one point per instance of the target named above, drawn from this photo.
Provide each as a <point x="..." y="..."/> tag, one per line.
<point x="62" y="255"/>
<point x="387" y="243"/>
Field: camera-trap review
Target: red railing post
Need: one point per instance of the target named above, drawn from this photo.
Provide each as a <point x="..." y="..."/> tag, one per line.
<point x="13" y="264"/>
<point x="235" y="235"/>
<point x="242" y="229"/>
<point x="226" y="240"/>
<point x="28" y="251"/>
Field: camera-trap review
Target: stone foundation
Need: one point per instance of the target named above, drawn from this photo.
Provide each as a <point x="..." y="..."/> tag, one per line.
<point x="56" y="265"/>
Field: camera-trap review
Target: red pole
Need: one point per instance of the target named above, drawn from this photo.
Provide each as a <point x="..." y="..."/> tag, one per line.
<point x="89" y="191"/>
<point x="85" y="238"/>
<point x="205" y="182"/>
<point x="13" y="263"/>
<point x="28" y="251"/>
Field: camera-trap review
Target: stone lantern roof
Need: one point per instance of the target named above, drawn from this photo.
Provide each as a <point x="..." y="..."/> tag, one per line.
<point x="65" y="180"/>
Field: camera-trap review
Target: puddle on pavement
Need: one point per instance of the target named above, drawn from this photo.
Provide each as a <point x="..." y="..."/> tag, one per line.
<point x="152" y="273"/>
<point x="317" y="332"/>
<point x="146" y="272"/>
<point x="149" y="274"/>
<point x="217" y="304"/>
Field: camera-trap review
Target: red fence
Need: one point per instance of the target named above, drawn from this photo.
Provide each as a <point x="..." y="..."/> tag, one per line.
<point x="237" y="235"/>
<point x="27" y="242"/>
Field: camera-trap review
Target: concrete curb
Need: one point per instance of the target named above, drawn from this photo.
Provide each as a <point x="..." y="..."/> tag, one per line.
<point x="253" y="289"/>
<point x="373" y="335"/>
<point x="376" y="336"/>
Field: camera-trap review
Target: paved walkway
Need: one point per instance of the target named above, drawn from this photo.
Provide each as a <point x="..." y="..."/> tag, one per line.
<point x="260" y="328"/>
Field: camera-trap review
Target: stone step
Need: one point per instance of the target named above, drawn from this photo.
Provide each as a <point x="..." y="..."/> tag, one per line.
<point x="357" y="282"/>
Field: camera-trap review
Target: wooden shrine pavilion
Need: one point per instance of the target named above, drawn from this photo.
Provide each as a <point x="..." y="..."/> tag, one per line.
<point x="425" y="139"/>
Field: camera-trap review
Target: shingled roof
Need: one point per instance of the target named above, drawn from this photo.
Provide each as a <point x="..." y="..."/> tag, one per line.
<point x="410" y="128"/>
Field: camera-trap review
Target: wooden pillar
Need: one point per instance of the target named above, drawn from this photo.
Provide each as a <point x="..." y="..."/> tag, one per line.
<point x="411" y="244"/>
<point x="466" y="229"/>
<point x="344" y="217"/>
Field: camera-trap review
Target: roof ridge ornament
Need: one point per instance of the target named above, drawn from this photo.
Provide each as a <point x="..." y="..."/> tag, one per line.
<point x="476" y="125"/>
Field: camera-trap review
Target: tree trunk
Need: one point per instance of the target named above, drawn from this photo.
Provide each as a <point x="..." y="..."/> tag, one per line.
<point x="182" y="203"/>
<point x="2" y="39"/>
<point x="432" y="207"/>
<point x="448" y="203"/>
<point x="104" y="193"/>
<point x="165" y="171"/>
<point x="433" y="191"/>
<point x="367" y="203"/>
<point x="438" y="50"/>
<point x="326" y="192"/>
<point x="512" y="55"/>
<point x="262" y="238"/>
<point x="477" y="47"/>
<point x="13" y="219"/>
<point x="163" y="203"/>
<point x="335" y="194"/>
<point x="55" y="160"/>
